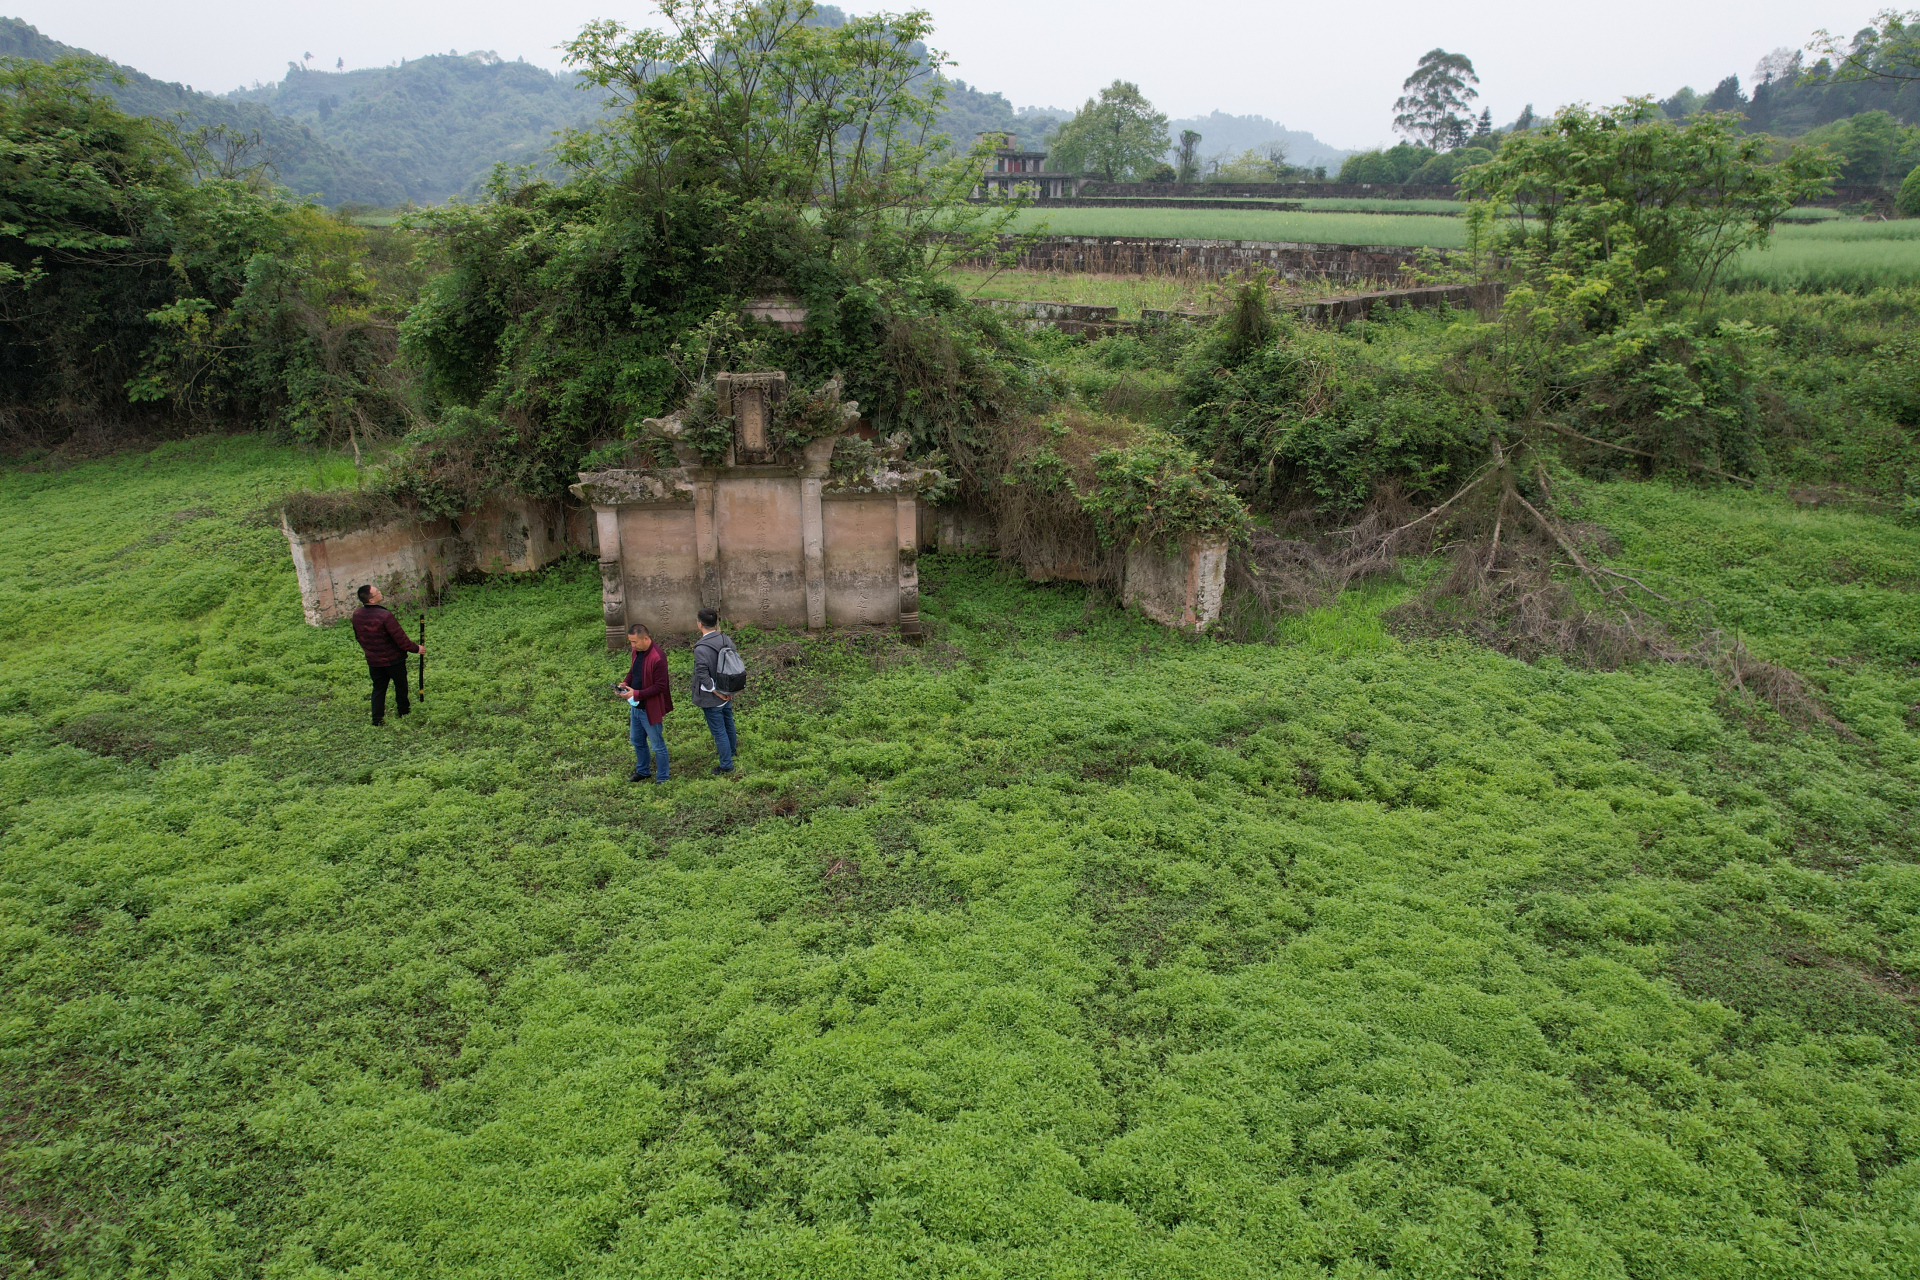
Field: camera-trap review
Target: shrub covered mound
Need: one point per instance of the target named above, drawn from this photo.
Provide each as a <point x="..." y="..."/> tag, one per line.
<point x="1062" y="946"/>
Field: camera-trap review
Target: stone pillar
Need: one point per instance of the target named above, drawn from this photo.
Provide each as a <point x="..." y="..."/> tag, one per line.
<point x="813" y="551"/>
<point x="706" y="542"/>
<point x="613" y="587"/>
<point x="907" y="521"/>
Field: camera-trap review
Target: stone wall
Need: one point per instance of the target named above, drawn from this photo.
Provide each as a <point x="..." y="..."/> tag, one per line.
<point x="412" y="560"/>
<point x="1275" y="190"/>
<point x="1155" y="255"/>
<point x="1142" y="202"/>
<point x="1067" y="317"/>
<point x="1483" y="298"/>
<point x="772" y="543"/>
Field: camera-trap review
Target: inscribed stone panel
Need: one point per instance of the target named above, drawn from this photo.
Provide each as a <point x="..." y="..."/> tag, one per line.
<point x="661" y="568"/>
<point x="762" y="570"/>
<point x="862" y="560"/>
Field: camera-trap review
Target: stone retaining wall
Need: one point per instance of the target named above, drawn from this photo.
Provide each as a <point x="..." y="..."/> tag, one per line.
<point x="412" y="560"/>
<point x="1357" y="306"/>
<point x="1158" y="255"/>
<point x="1093" y="321"/>
<point x="1275" y="190"/>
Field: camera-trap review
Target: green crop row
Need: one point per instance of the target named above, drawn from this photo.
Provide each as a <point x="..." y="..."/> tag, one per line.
<point x="1843" y="254"/>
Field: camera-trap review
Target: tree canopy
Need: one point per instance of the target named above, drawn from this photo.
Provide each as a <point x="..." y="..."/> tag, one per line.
<point x="1645" y="206"/>
<point x="1118" y="136"/>
<point x="1433" y="104"/>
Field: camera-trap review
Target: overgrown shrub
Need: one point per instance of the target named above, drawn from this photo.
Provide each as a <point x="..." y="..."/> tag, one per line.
<point x="149" y="286"/>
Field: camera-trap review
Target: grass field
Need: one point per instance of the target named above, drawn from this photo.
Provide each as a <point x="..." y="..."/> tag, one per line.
<point x="1839" y="254"/>
<point x="1129" y="293"/>
<point x="1237" y="224"/>
<point x="1059" y="947"/>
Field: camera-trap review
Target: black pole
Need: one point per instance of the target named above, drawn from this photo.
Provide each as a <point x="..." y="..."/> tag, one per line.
<point x="423" y="657"/>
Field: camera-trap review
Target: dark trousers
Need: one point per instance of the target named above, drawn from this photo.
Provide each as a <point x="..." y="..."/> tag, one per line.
<point x="397" y="674"/>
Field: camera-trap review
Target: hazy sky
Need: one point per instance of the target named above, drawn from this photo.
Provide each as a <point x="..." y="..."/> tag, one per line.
<point x="1330" y="68"/>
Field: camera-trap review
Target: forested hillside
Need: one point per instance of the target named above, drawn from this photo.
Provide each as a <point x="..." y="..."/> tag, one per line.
<point x="433" y="127"/>
<point x="303" y="159"/>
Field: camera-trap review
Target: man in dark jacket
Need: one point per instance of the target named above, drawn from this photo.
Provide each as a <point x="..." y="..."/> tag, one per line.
<point x="717" y="707"/>
<point x="387" y="646"/>
<point x="648" y="690"/>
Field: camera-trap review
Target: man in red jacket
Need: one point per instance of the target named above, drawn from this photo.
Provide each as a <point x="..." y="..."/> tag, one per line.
<point x="387" y="646"/>
<point x="649" y="693"/>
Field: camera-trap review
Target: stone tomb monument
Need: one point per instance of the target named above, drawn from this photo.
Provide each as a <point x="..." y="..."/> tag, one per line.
<point x="763" y="536"/>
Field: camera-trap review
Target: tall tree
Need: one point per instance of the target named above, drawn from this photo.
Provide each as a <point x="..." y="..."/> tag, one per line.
<point x="1888" y="50"/>
<point x="1189" y="157"/>
<point x="1726" y="96"/>
<point x="1117" y="136"/>
<point x="1433" y="100"/>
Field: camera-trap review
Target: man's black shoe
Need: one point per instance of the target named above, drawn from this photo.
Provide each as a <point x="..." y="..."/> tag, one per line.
<point x="718" y="769"/>
<point x="637" y="776"/>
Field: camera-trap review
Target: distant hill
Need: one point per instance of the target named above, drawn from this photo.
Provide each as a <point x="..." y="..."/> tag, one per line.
<point x="433" y="127"/>
<point x="972" y="111"/>
<point x="303" y="158"/>
<point x="1225" y="135"/>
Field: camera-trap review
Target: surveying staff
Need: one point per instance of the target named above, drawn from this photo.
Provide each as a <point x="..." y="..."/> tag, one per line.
<point x="717" y="707"/>
<point x="387" y="646"/>
<point x="649" y="693"/>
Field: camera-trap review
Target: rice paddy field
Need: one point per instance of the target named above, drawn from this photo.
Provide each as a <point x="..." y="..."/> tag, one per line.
<point x="1062" y="946"/>
<point x="1844" y="254"/>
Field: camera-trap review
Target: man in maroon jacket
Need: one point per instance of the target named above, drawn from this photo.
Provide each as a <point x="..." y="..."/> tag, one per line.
<point x="387" y="646"/>
<point x="649" y="693"/>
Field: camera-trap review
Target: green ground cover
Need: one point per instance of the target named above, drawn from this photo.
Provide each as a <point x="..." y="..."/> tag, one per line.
<point x="1060" y="947"/>
<point x="1845" y="254"/>
<point x="1129" y="293"/>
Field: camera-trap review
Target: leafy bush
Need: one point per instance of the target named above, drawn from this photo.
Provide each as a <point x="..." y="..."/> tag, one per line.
<point x="1327" y="418"/>
<point x="1155" y="491"/>
<point x="148" y="285"/>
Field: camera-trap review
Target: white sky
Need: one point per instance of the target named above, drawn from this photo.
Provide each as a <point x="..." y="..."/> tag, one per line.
<point x="1332" y="69"/>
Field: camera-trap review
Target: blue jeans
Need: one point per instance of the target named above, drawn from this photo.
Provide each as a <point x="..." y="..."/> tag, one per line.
<point x="725" y="740"/>
<point x="646" y="735"/>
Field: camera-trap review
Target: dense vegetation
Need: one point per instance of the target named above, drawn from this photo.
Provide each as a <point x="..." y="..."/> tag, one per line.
<point x="1061" y="946"/>
<point x="154" y="282"/>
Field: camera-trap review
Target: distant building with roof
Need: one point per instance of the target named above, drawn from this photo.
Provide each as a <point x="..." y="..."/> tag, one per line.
<point x="1013" y="172"/>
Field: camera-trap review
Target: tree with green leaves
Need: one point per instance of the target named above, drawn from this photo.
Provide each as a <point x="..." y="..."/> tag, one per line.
<point x="1433" y="103"/>
<point x="750" y="148"/>
<point x="1647" y="207"/>
<point x="1117" y="136"/>
<point x="1887" y="50"/>
<point x="153" y="281"/>
<point x="1187" y="166"/>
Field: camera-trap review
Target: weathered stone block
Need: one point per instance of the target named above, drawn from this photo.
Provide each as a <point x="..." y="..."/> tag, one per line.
<point x="1182" y="587"/>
